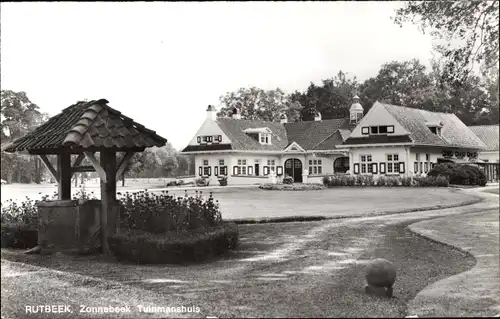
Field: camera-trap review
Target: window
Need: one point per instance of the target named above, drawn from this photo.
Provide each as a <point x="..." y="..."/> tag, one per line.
<point x="427" y="157"/>
<point x="366" y="166"/>
<point x="421" y="167"/>
<point x="241" y="168"/>
<point x="315" y="167"/>
<point x="207" y="139"/>
<point x="271" y="164"/>
<point x="265" y="138"/>
<point x="416" y="168"/>
<point x="426" y="167"/>
<point x="417" y="157"/>
<point x="436" y="130"/>
<point x="392" y="163"/>
<point x="341" y="165"/>
<point x="222" y="168"/>
<point x="380" y="129"/>
<point x="205" y="169"/>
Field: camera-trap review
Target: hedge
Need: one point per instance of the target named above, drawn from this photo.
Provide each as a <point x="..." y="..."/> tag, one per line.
<point x="459" y="174"/>
<point x="174" y="248"/>
<point x="384" y="181"/>
<point x="293" y="187"/>
<point x="19" y="235"/>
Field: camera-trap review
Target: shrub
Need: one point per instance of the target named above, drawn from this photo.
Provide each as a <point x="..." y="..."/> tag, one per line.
<point x="407" y="181"/>
<point x="288" y="179"/>
<point x="351" y="180"/>
<point x="382" y="181"/>
<point x="159" y="213"/>
<point x="326" y="180"/>
<point x="223" y="181"/>
<point x="459" y="174"/>
<point x="195" y="245"/>
<point x="293" y="187"/>
<point x="19" y="235"/>
<point x="393" y="181"/>
<point x="442" y="181"/>
<point x="171" y="183"/>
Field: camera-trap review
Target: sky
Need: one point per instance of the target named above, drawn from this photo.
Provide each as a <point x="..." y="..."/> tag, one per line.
<point x="163" y="63"/>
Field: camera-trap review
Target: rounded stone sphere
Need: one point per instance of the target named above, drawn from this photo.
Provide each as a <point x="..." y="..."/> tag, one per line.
<point x="380" y="273"/>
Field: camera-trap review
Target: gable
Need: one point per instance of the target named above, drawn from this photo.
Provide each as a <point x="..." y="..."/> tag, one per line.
<point x="294" y="147"/>
<point x="378" y="116"/>
<point x="454" y="132"/>
<point x="210" y="127"/>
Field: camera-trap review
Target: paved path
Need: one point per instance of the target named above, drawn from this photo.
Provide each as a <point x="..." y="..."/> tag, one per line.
<point x="313" y="270"/>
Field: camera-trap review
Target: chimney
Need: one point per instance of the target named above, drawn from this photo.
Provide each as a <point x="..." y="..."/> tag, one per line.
<point x="356" y="111"/>
<point x="211" y="113"/>
<point x="283" y="119"/>
<point x="317" y="116"/>
<point x="236" y="114"/>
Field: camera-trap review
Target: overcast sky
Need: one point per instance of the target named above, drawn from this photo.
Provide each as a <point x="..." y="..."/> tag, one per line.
<point x="163" y="63"/>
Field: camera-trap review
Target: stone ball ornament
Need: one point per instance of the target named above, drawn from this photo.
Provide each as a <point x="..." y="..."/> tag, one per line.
<point x="380" y="276"/>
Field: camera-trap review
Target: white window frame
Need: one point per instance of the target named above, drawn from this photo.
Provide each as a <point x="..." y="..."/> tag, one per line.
<point x="392" y="162"/>
<point x="265" y="138"/>
<point x="271" y="163"/>
<point x="366" y="164"/>
<point x="315" y="167"/>
<point x="241" y="167"/>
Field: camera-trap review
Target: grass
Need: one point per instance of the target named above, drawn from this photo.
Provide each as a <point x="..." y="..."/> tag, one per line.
<point x="493" y="191"/>
<point x="476" y="292"/>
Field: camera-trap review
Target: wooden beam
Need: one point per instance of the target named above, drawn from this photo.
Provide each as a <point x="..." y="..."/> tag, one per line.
<point x="88" y="168"/>
<point x="123" y="164"/>
<point x="77" y="163"/>
<point x="49" y="166"/>
<point x="98" y="168"/>
<point x="108" y="199"/>
<point x="64" y="170"/>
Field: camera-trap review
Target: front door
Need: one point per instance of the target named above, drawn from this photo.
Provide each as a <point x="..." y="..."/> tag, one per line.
<point x="293" y="168"/>
<point x="257" y="170"/>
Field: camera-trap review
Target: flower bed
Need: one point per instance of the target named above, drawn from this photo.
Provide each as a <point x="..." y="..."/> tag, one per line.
<point x="292" y="187"/>
<point x="174" y="247"/>
<point x="384" y="181"/>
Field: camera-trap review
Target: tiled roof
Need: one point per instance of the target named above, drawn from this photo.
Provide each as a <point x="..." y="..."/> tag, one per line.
<point x="241" y="141"/>
<point x="488" y="134"/>
<point x="85" y="125"/>
<point x="211" y="147"/>
<point x="330" y="142"/>
<point x="311" y="133"/>
<point x="378" y="139"/>
<point x="454" y="132"/>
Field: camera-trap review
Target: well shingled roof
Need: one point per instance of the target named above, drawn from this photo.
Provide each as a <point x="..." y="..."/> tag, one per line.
<point x="87" y="125"/>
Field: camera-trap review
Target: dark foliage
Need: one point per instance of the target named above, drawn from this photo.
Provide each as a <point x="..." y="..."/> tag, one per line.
<point x="459" y="174"/>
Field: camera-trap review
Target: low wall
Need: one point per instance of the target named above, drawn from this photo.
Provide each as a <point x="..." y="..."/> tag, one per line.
<point x="72" y="226"/>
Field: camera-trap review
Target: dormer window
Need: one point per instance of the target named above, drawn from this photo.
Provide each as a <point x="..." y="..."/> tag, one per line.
<point x="435" y="127"/>
<point x="261" y="135"/>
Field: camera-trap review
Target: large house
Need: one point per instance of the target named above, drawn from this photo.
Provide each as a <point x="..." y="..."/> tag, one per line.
<point x="489" y="158"/>
<point x="388" y="140"/>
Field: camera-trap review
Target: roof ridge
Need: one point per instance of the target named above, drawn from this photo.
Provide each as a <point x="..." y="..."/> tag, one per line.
<point x="414" y="108"/>
<point x="77" y="132"/>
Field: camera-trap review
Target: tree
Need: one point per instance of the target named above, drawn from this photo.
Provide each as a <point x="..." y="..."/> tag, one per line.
<point x="19" y="116"/>
<point x="257" y="104"/>
<point x="468" y="31"/>
<point x="332" y="99"/>
<point x="399" y="83"/>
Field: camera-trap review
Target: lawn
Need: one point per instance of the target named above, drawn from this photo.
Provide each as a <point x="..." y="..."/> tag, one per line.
<point x="254" y="203"/>
<point x="493" y="191"/>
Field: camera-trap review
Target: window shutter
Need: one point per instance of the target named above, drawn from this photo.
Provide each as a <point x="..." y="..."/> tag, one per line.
<point x="219" y="138"/>
<point x="266" y="170"/>
<point x="416" y="168"/>
<point x="198" y="139"/>
<point x="235" y="170"/>
<point x="356" y="168"/>
<point x="382" y="168"/>
<point x="250" y="170"/>
<point x="402" y="167"/>
<point x="209" y="171"/>
<point x="374" y="168"/>
<point x="216" y="171"/>
<point x="279" y="170"/>
<point x="200" y="171"/>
